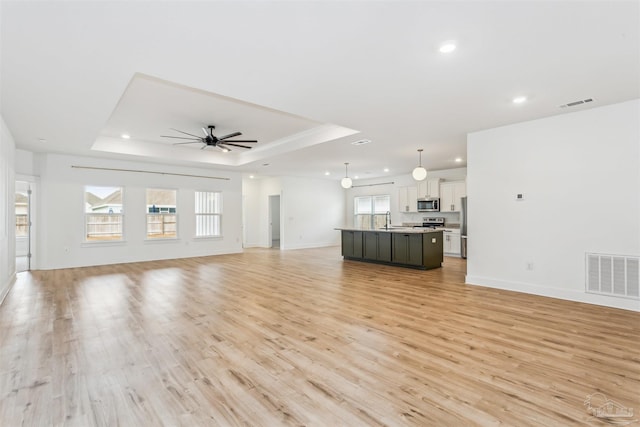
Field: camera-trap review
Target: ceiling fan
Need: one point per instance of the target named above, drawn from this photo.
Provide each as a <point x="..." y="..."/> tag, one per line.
<point x="209" y="139"/>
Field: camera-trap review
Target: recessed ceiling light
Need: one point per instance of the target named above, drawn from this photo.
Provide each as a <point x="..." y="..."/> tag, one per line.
<point x="327" y="173"/>
<point x="447" y="47"/>
<point x="125" y="136"/>
<point x="519" y="99"/>
<point x="386" y="169"/>
<point x="355" y="177"/>
<point x="458" y="159"/>
<point x="251" y="176"/>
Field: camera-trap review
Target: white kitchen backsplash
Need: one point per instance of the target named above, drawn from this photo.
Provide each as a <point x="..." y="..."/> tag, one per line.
<point x="413" y="217"/>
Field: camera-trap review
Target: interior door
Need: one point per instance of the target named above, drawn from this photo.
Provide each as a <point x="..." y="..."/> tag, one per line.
<point x="274" y="221"/>
<point x="24" y="237"/>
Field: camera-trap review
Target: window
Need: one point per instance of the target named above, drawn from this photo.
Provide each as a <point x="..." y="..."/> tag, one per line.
<point x="103" y="213"/>
<point x="161" y="214"/>
<point x="22" y="214"/>
<point x="208" y="211"/>
<point x="371" y="211"/>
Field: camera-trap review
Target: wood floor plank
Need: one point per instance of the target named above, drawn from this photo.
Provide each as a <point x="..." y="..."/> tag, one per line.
<point x="270" y="338"/>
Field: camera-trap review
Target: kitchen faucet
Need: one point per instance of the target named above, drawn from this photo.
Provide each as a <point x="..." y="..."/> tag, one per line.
<point x="387" y="220"/>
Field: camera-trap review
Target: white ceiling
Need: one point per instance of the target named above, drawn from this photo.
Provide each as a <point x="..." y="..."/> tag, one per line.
<point x="150" y="104"/>
<point x="306" y="79"/>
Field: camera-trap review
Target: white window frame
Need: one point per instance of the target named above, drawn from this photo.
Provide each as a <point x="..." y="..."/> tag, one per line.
<point x="119" y="215"/>
<point x="198" y="212"/>
<point x="372" y="218"/>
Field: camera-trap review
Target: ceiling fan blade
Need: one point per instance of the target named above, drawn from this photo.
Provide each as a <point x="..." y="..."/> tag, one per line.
<point x="182" y="137"/>
<point x="231" y="135"/>
<point x="244" y="141"/>
<point x="236" y="145"/>
<point x="206" y="133"/>
<point x="192" y="142"/>
<point x="204" y="146"/>
<point x="195" y="136"/>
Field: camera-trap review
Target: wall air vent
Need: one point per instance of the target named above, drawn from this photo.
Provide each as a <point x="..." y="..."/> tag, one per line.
<point x="575" y="103"/>
<point x="613" y="275"/>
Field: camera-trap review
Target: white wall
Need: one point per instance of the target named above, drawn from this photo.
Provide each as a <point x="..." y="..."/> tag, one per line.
<point x="255" y="194"/>
<point x="61" y="216"/>
<point x="362" y="188"/>
<point x="579" y="173"/>
<point x="7" y="210"/>
<point x="310" y="209"/>
<point x="25" y="162"/>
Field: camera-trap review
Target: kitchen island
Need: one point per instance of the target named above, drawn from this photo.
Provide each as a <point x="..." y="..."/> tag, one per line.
<point x="401" y="246"/>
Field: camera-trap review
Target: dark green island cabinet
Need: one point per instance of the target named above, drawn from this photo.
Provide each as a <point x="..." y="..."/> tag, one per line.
<point x="376" y="246"/>
<point x="402" y="247"/>
<point x="351" y="244"/>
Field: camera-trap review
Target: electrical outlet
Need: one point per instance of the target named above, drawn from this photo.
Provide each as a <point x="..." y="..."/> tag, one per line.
<point x="519" y="197"/>
<point x="529" y="266"/>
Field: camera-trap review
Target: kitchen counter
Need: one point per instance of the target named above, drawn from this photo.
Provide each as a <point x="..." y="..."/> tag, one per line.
<point x="440" y="227"/>
<point x="399" y="246"/>
<point x="396" y="229"/>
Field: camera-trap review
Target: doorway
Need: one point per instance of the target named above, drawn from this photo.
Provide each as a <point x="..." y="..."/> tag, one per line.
<point x="274" y="222"/>
<point x="24" y="230"/>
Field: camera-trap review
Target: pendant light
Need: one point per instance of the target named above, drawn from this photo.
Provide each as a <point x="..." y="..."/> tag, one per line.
<point x="419" y="173"/>
<point x="346" y="181"/>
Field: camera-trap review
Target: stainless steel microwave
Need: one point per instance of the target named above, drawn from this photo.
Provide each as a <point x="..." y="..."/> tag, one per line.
<point x="429" y="205"/>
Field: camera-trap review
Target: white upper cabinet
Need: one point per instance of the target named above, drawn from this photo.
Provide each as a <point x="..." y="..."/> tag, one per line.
<point x="450" y="195"/>
<point x="429" y="188"/>
<point x="408" y="199"/>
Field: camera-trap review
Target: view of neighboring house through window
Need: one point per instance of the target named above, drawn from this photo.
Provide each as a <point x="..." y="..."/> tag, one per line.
<point x="161" y="214"/>
<point x="208" y="211"/>
<point x="371" y="211"/>
<point x="22" y="214"/>
<point x="103" y="213"/>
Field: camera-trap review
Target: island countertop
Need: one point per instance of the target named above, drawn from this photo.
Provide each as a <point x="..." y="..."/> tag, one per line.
<point x="404" y="230"/>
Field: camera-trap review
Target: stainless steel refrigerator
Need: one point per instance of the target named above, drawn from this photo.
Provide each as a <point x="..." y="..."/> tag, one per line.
<point x="463" y="228"/>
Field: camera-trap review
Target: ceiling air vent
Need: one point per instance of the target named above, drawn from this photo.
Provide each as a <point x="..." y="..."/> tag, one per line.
<point x="574" y="103"/>
<point x="361" y="142"/>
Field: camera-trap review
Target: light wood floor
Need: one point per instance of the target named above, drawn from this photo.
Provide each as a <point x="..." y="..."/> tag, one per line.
<point x="270" y="338"/>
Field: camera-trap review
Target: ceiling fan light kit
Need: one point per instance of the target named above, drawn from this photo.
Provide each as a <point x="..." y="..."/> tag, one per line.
<point x="346" y="181"/>
<point x="210" y="140"/>
<point x="419" y="173"/>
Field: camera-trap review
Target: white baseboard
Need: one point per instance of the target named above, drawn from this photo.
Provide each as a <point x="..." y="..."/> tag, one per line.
<point x="310" y="246"/>
<point x="6" y="287"/>
<point x="253" y="245"/>
<point x="292" y="247"/>
<point x="546" y="291"/>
